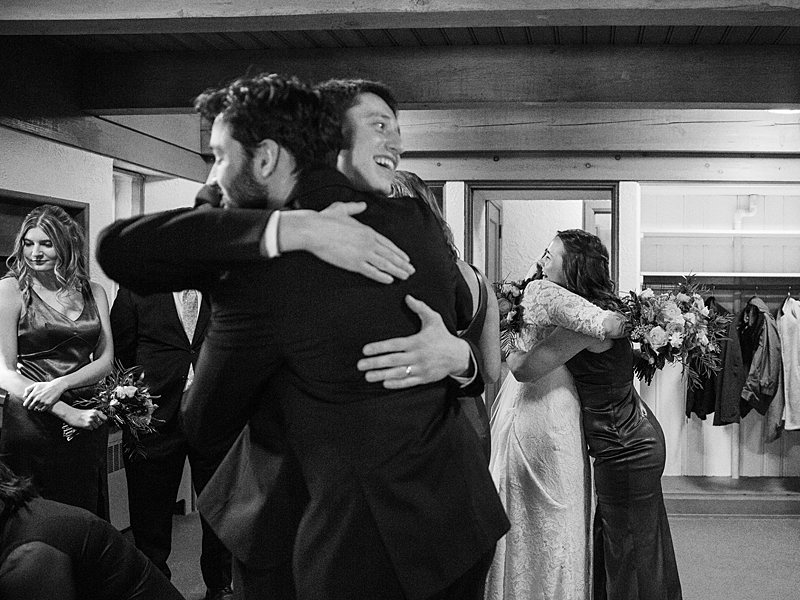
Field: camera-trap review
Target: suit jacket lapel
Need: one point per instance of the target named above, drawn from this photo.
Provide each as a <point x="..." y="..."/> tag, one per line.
<point x="171" y="316"/>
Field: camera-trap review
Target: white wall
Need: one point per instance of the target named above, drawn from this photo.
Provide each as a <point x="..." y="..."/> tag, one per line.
<point x="528" y="228"/>
<point x="687" y="229"/>
<point x="166" y="194"/>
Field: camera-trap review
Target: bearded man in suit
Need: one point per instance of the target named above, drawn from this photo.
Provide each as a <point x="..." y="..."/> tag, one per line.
<point x="399" y="501"/>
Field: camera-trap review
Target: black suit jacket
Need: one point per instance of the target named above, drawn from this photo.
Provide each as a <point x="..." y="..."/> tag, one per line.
<point x="397" y="483"/>
<point x="148" y="332"/>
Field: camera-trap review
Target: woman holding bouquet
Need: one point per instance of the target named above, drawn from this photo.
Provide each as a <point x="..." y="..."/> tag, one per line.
<point x="633" y="555"/>
<point x="55" y="344"/>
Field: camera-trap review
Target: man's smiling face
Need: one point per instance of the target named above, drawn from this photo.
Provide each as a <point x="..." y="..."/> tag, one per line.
<point x="372" y="144"/>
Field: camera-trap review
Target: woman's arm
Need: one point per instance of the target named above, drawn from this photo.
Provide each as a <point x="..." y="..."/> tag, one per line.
<point x="571" y="311"/>
<point x="10" y="309"/>
<point x="490" y="339"/>
<point x="44" y="395"/>
<point x="553" y="351"/>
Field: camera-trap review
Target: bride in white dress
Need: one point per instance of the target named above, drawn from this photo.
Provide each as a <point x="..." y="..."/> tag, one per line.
<point x="540" y="465"/>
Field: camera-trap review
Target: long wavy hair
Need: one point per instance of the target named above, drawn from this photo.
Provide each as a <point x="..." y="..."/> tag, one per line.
<point x="68" y="242"/>
<point x="410" y="184"/>
<point x="586" y="268"/>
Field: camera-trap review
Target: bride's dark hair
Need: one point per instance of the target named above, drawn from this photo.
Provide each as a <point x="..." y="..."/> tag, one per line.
<point x="585" y="266"/>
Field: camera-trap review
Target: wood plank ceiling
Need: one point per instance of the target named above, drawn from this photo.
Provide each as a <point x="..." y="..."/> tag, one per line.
<point x="432" y="37"/>
<point x="521" y="62"/>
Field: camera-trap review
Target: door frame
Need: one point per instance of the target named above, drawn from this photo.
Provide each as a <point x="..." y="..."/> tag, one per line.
<point x="612" y="187"/>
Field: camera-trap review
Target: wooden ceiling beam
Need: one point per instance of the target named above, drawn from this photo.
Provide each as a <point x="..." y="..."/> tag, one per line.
<point x="446" y="77"/>
<point x="106" y="138"/>
<point x="593" y="168"/>
<point x="56" y="17"/>
<point x="503" y="132"/>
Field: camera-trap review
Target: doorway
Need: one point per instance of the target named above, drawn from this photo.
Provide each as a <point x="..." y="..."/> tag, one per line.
<point x="508" y="228"/>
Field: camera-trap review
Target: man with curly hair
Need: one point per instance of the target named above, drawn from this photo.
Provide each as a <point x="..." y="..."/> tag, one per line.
<point x="392" y="498"/>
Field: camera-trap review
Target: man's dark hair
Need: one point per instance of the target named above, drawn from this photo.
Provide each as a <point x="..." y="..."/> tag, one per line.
<point x="342" y="93"/>
<point x="15" y="491"/>
<point x="281" y="109"/>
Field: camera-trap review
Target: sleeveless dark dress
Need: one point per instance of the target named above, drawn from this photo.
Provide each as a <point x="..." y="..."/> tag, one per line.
<point x="474" y="407"/>
<point x="49" y="345"/>
<point x="634" y="557"/>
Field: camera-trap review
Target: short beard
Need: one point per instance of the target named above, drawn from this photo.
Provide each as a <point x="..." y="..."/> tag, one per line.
<point x="245" y="191"/>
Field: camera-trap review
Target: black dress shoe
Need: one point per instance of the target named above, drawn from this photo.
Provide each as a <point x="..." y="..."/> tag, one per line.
<point x="225" y="593"/>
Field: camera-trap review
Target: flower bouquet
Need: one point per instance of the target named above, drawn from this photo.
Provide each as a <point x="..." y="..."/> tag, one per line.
<point x="124" y="398"/>
<point x="509" y="296"/>
<point x="676" y="326"/>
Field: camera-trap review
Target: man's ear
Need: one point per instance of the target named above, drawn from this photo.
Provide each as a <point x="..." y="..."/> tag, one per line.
<point x="266" y="157"/>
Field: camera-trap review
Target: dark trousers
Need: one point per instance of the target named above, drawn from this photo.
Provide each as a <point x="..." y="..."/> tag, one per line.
<point x="277" y="584"/>
<point x="153" y="483"/>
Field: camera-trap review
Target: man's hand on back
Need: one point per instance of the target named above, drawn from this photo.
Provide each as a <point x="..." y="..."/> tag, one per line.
<point x="335" y="237"/>
<point x="430" y="355"/>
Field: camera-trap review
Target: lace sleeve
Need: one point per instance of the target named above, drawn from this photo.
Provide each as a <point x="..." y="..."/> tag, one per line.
<point x="565" y="308"/>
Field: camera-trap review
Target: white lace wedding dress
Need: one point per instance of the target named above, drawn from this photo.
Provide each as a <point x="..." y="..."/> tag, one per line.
<point x="540" y="465"/>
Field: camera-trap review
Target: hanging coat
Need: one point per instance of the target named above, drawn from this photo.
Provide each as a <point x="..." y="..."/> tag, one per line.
<point x="761" y="351"/>
<point x="721" y="391"/>
<point x="789" y="330"/>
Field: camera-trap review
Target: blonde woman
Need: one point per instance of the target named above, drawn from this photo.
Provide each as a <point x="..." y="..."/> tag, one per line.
<point x="55" y="344"/>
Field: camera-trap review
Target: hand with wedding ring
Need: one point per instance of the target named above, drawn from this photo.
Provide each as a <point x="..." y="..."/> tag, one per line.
<point x="40" y="396"/>
<point x="430" y="355"/>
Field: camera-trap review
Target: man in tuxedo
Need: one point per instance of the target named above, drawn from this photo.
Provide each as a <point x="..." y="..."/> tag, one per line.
<point x="400" y="504"/>
<point x="163" y="334"/>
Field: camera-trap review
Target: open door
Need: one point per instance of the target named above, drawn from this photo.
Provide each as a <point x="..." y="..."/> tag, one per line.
<point x="493" y="270"/>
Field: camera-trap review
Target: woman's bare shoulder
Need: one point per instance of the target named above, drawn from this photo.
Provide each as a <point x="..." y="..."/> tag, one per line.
<point x="9" y="285"/>
<point x="9" y="292"/>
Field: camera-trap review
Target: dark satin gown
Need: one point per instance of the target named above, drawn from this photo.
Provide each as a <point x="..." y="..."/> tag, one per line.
<point x="49" y="345"/>
<point x="633" y="555"/>
<point x="474" y="407"/>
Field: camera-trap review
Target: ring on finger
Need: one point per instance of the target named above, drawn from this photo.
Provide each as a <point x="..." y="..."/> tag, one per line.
<point x="408" y="370"/>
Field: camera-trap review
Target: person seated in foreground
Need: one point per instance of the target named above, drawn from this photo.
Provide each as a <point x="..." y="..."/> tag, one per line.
<point x="50" y="550"/>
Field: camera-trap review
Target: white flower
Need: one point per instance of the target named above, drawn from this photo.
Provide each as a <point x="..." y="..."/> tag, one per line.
<point x="125" y="391"/>
<point x="681" y="297"/>
<point x="690" y="318"/>
<point x="657" y="338"/>
<point x="704" y="311"/>
<point x="646" y="294"/>
<point x="676" y="340"/>
<point x="113" y="402"/>
<point x="670" y="311"/>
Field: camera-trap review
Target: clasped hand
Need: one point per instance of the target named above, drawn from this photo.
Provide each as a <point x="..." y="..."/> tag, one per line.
<point x="41" y="396"/>
<point x="85" y="418"/>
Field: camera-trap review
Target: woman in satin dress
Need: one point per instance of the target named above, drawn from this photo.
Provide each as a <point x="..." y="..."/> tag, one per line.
<point x="55" y="345"/>
<point x="633" y="553"/>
